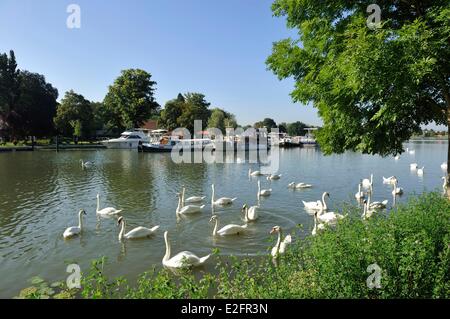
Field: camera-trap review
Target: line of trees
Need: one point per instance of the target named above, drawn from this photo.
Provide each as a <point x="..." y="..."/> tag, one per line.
<point x="293" y="129"/>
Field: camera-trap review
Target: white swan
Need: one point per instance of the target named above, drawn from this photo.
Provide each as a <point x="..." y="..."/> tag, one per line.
<point x="192" y="199"/>
<point x="317" y="205"/>
<point x="251" y="213"/>
<point x="75" y="230"/>
<point x="221" y="201"/>
<point x="274" y="177"/>
<point x="410" y="151"/>
<point x="254" y="173"/>
<point x="188" y="209"/>
<point x="329" y="218"/>
<point x="444" y="166"/>
<point x="420" y="171"/>
<point x="376" y="205"/>
<point x="317" y="226"/>
<point x="138" y="232"/>
<point x="359" y="195"/>
<point x="389" y="180"/>
<point x="397" y="190"/>
<point x="367" y="211"/>
<point x="368" y="183"/>
<point x="263" y="192"/>
<point x="182" y="259"/>
<point x="299" y="185"/>
<point x="397" y="157"/>
<point x="86" y="164"/>
<point x="230" y="229"/>
<point x="281" y="245"/>
<point x="413" y="166"/>
<point x="107" y="211"/>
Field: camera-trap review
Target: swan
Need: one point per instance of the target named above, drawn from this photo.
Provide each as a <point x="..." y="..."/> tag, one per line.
<point x="86" y="164"/>
<point x="317" y="205"/>
<point x="367" y="211"/>
<point x="192" y="199"/>
<point x="221" y="201"/>
<point x="397" y="157"/>
<point x="75" y="230"/>
<point x="410" y="151"/>
<point x="251" y="213"/>
<point x="138" y="232"/>
<point x="263" y="192"/>
<point x="413" y="166"/>
<point x="368" y="183"/>
<point x="389" y="180"/>
<point x="377" y="205"/>
<point x="420" y="171"/>
<point x="397" y="190"/>
<point x="227" y="230"/>
<point x="188" y="209"/>
<point x="444" y="166"/>
<point x="107" y="211"/>
<point x="317" y="226"/>
<point x="182" y="259"/>
<point x="273" y="177"/>
<point x="329" y="218"/>
<point x="254" y="173"/>
<point x="359" y="195"/>
<point x="281" y="245"/>
<point x="299" y="185"/>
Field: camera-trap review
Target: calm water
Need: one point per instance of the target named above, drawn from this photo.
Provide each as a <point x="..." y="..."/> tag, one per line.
<point x="41" y="193"/>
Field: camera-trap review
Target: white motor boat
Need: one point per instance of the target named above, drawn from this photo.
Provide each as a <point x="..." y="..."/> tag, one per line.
<point x="127" y="140"/>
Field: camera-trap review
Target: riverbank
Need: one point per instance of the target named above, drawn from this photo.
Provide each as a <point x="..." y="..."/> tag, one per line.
<point x="405" y="254"/>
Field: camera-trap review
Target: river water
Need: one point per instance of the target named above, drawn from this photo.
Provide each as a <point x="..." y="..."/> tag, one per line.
<point x="41" y="193"/>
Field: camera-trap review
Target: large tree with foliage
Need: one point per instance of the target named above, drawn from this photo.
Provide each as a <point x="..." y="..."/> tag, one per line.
<point x="171" y="112"/>
<point x="36" y="105"/>
<point x="195" y="108"/>
<point x="27" y="101"/>
<point x="221" y="120"/>
<point x="130" y="100"/>
<point x="373" y="86"/>
<point x="296" y="128"/>
<point x="74" y="116"/>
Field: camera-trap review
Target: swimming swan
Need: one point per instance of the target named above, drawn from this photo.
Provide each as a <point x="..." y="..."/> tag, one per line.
<point x="75" y="230"/>
<point x="317" y="226"/>
<point x="188" y="209"/>
<point x="230" y="229"/>
<point x="274" y="177"/>
<point x="221" y="201"/>
<point x="107" y="211"/>
<point x="368" y="183"/>
<point x="192" y="199"/>
<point x="317" y="205"/>
<point x="359" y="195"/>
<point x="263" y="192"/>
<point x="138" y="232"/>
<point x="182" y="259"/>
<point x="251" y="213"/>
<point x="86" y="164"/>
<point x="255" y="173"/>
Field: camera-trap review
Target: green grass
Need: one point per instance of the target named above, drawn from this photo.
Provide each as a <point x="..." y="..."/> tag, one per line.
<point x="411" y="246"/>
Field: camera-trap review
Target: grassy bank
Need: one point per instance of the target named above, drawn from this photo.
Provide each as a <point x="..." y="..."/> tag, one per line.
<point x="411" y="246"/>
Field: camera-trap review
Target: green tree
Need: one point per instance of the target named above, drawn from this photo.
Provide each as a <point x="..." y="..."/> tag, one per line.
<point x="74" y="116"/>
<point x="217" y="120"/>
<point x="9" y="92"/>
<point x="171" y="112"/>
<point x="130" y="100"/>
<point x="282" y="127"/>
<point x="296" y="128"/>
<point x="373" y="87"/>
<point x="36" y="105"/>
<point x="27" y="101"/>
<point x="195" y="108"/>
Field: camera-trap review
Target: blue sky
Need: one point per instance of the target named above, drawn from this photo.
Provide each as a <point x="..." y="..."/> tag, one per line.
<point x="215" y="47"/>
